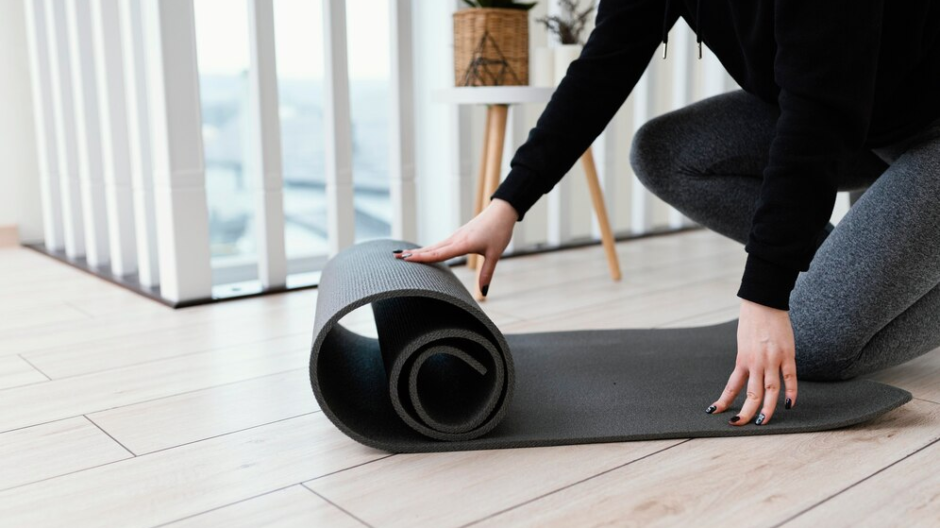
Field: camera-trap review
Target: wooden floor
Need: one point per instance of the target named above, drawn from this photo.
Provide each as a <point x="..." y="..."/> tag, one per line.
<point x="116" y="411"/>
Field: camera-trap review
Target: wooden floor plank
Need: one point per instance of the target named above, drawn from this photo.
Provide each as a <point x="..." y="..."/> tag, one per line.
<point x="921" y="376"/>
<point x="453" y="489"/>
<point x="62" y="289"/>
<point x="575" y="295"/>
<point x="15" y="371"/>
<point x="176" y="420"/>
<point x="548" y="270"/>
<point x="146" y="346"/>
<point x="171" y="485"/>
<point x="649" y="310"/>
<point x="28" y="319"/>
<point x="293" y="507"/>
<point x="905" y="495"/>
<point x="755" y="481"/>
<point x="49" y="450"/>
<point x="132" y="322"/>
<point x="58" y="399"/>
<point x="37" y="285"/>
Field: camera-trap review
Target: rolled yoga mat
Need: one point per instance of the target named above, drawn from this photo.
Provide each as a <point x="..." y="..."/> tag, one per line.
<point x="442" y="377"/>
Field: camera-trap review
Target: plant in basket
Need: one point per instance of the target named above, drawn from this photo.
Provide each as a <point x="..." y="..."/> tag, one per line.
<point x="491" y="43"/>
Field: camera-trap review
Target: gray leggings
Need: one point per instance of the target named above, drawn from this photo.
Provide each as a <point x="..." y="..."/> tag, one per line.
<point x="871" y="297"/>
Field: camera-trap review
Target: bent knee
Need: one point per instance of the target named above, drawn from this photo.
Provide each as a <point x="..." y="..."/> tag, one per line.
<point x="826" y="358"/>
<point x="654" y="154"/>
<point x="651" y="153"/>
<point x="815" y="370"/>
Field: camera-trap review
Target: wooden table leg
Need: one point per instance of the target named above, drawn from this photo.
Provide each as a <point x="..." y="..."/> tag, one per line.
<point x="597" y="199"/>
<point x="495" y="137"/>
<point x="473" y="259"/>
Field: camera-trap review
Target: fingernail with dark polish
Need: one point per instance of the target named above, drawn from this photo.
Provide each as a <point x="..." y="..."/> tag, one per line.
<point x="485" y="289"/>
<point x="406" y="255"/>
<point x="734" y="419"/>
<point x="397" y="251"/>
<point x="711" y="409"/>
<point x="789" y="403"/>
<point x="760" y="419"/>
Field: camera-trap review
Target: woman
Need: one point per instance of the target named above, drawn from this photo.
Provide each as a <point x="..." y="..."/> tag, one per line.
<point x="837" y="95"/>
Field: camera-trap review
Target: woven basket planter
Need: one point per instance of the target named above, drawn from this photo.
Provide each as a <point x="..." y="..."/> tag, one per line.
<point x="491" y="47"/>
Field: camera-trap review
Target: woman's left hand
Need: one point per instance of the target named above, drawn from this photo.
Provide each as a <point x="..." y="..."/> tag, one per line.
<point x="765" y="350"/>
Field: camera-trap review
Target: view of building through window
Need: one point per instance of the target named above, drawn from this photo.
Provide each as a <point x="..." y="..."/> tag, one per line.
<point x="223" y="63"/>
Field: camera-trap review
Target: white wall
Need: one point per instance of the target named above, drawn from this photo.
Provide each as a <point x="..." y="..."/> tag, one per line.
<point x="19" y="172"/>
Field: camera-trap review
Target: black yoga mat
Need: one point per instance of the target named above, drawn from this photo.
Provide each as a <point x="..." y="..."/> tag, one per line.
<point x="442" y="377"/>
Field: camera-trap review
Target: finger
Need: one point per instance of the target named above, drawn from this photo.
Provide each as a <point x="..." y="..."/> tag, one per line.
<point x="789" y="380"/>
<point x="755" y="391"/>
<point x="435" y="255"/>
<point x="413" y="254"/>
<point x="414" y="251"/>
<point x="732" y="388"/>
<point x="771" y="392"/>
<point x="486" y="273"/>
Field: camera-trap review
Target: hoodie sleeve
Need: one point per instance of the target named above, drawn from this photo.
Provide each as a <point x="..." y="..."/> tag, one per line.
<point x="825" y="66"/>
<point x="614" y="58"/>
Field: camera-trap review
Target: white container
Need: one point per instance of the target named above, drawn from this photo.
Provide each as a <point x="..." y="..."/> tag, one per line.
<point x="542" y="69"/>
<point x="565" y="54"/>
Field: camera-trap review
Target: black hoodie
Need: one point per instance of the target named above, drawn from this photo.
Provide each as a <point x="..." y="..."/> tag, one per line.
<point x="847" y="75"/>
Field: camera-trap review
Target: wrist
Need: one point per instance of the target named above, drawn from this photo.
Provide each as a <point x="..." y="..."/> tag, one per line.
<point x="521" y="188"/>
<point x="504" y="208"/>
<point x="751" y="305"/>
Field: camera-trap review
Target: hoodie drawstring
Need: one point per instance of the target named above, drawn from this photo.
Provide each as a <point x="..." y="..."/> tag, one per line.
<point x="698" y="23"/>
<point x="697" y="29"/>
<point x="666" y="29"/>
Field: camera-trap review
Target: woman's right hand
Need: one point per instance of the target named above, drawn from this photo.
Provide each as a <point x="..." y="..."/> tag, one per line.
<point x="487" y="234"/>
